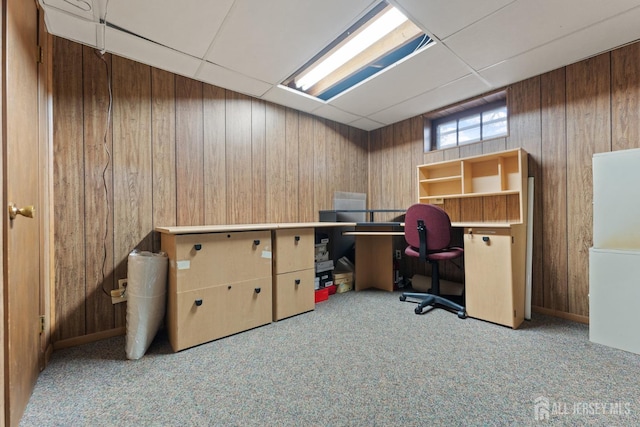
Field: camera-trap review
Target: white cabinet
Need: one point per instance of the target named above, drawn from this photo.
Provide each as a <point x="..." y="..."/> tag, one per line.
<point x="614" y="260"/>
<point x="614" y="294"/>
<point x="616" y="200"/>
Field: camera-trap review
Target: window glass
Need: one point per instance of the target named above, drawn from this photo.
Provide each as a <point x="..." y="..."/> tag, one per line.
<point x="469" y="122"/>
<point x="448" y="140"/>
<point x="469" y="129"/>
<point x="494" y="122"/>
<point x="447" y="134"/>
<point x="475" y="124"/>
<point x="469" y="135"/>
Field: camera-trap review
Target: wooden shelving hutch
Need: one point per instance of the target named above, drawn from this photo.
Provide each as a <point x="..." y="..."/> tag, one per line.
<point x="486" y="196"/>
<point x="502" y="174"/>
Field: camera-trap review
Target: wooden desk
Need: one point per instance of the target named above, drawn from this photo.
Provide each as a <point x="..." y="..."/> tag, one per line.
<point x="374" y="255"/>
<point x="494" y="264"/>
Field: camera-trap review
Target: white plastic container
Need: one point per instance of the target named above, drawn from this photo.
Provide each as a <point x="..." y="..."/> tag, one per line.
<point x="146" y="300"/>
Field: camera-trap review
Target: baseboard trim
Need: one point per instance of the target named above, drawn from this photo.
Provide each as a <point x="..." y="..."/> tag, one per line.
<point x="556" y="313"/>
<point x="85" y="339"/>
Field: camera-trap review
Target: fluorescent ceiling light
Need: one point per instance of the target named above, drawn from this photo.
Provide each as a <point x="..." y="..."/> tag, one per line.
<point x="379" y="28"/>
<point x="381" y="38"/>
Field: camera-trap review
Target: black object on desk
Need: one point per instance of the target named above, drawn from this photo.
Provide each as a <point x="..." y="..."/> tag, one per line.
<point x="345" y="245"/>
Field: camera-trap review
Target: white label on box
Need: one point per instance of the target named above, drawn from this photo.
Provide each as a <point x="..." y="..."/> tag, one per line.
<point x="183" y="265"/>
<point x="266" y="254"/>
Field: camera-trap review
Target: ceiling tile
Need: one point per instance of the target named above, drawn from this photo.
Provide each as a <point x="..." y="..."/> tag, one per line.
<point x="292" y="98"/>
<point x="433" y="67"/>
<point x="443" y="18"/>
<point x="218" y="76"/>
<point x="62" y="24"/>
<point x="332" y="113"/>
<point x="572" y="48"/>
<point x="269" y="40"/>
<point x="451" y="93"/>
<point x="254" y="44"/>
<point x="525" y="24"/>
<point x="149" y="53"/>
<point x="80" y="8"/>
<point x="186" y="25"/>
<point x="366" y="124"/>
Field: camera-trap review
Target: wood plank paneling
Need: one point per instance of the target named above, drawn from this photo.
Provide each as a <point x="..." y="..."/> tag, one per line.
<point x="214" y="106"/>
<point x="98" y="190"/>
<point x="588" y="132"/>
<point x="189" y="152"/>
<point x="68" y="191"/>
<point x="291" y="173"/>
<point x="163" y="139"/>
<point x="553" y="185"/>
<point x="625" y="97"/>
<point x="402" y="182"/>
<point x="387" y="169"/>
<point x="358" y="172"/>
<point x="238" y="140"/>
<point x="523" y="102"/>
<point x="417" y="150"/>
<point x="321" y="175"/>
<point x="258" y="161"/>
<point x="333" y="155"/>
<point x="132" y="171"/>
<point x="374" y="195"/>
<point x="183" y="153"/>
<point x="276" y="163"/>
<point x="306" y="203"/>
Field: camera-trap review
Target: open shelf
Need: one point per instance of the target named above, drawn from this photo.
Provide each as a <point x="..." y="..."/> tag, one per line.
<point x="497" y="174"/>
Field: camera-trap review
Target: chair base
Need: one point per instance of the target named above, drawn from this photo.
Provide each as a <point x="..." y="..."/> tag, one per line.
<point x="434" y="300"/>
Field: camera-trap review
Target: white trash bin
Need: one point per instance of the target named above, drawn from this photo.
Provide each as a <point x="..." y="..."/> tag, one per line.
<point x="146" y="299"/>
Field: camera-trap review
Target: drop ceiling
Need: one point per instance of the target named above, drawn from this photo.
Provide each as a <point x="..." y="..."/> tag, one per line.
<point x="251" y="46"/>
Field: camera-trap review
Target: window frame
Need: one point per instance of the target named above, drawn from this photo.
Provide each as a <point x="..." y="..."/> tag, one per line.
<point x="431" y="133"/>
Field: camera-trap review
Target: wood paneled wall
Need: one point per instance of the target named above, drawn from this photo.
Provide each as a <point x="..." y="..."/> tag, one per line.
<point x="561" y="119"/>
<point x="180" y="152"/>
<point x="174" y="152"/>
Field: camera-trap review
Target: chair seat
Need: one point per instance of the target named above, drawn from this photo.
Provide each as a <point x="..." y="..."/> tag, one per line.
<point x="450" y="253"/>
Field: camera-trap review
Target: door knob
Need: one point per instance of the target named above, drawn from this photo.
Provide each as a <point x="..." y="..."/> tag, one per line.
<point x="28" y="211"/>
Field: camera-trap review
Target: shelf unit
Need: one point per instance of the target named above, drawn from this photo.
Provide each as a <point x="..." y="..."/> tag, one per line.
<point x="487" y="195"/>
<point x="497" y="174"/>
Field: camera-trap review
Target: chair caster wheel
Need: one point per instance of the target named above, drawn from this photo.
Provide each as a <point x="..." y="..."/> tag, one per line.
<point x="403" y="298"/>
<point x="418" y="310"/>
<point x="462" y="315"/>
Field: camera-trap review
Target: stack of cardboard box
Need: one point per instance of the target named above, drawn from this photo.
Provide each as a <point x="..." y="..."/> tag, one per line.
<point x="323" y="263"/>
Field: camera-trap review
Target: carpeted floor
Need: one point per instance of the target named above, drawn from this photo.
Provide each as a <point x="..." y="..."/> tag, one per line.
<point x="359" y="359"/>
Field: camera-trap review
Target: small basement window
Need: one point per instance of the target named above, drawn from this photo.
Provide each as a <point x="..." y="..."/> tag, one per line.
<point x="477" y="120"/>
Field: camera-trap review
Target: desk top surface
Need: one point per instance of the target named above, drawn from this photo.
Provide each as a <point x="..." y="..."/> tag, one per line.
<point x="196" y="229"/>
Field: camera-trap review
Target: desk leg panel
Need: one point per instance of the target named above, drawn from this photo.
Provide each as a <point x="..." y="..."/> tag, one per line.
<point x="374" y="263"/>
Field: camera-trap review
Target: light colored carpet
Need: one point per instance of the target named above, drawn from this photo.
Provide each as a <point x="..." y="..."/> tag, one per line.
<point x="359" y="359"/>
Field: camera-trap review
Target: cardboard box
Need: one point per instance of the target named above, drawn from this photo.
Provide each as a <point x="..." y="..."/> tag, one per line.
<point x="323" y="266"/>
<point x="343" y="281"/>
<point x="322" y="256"/>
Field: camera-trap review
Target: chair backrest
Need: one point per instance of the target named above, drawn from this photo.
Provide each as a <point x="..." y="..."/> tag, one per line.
<point x="436" y="222"/>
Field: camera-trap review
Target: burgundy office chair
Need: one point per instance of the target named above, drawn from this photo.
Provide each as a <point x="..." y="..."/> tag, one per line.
<point x="427" y="230"/>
